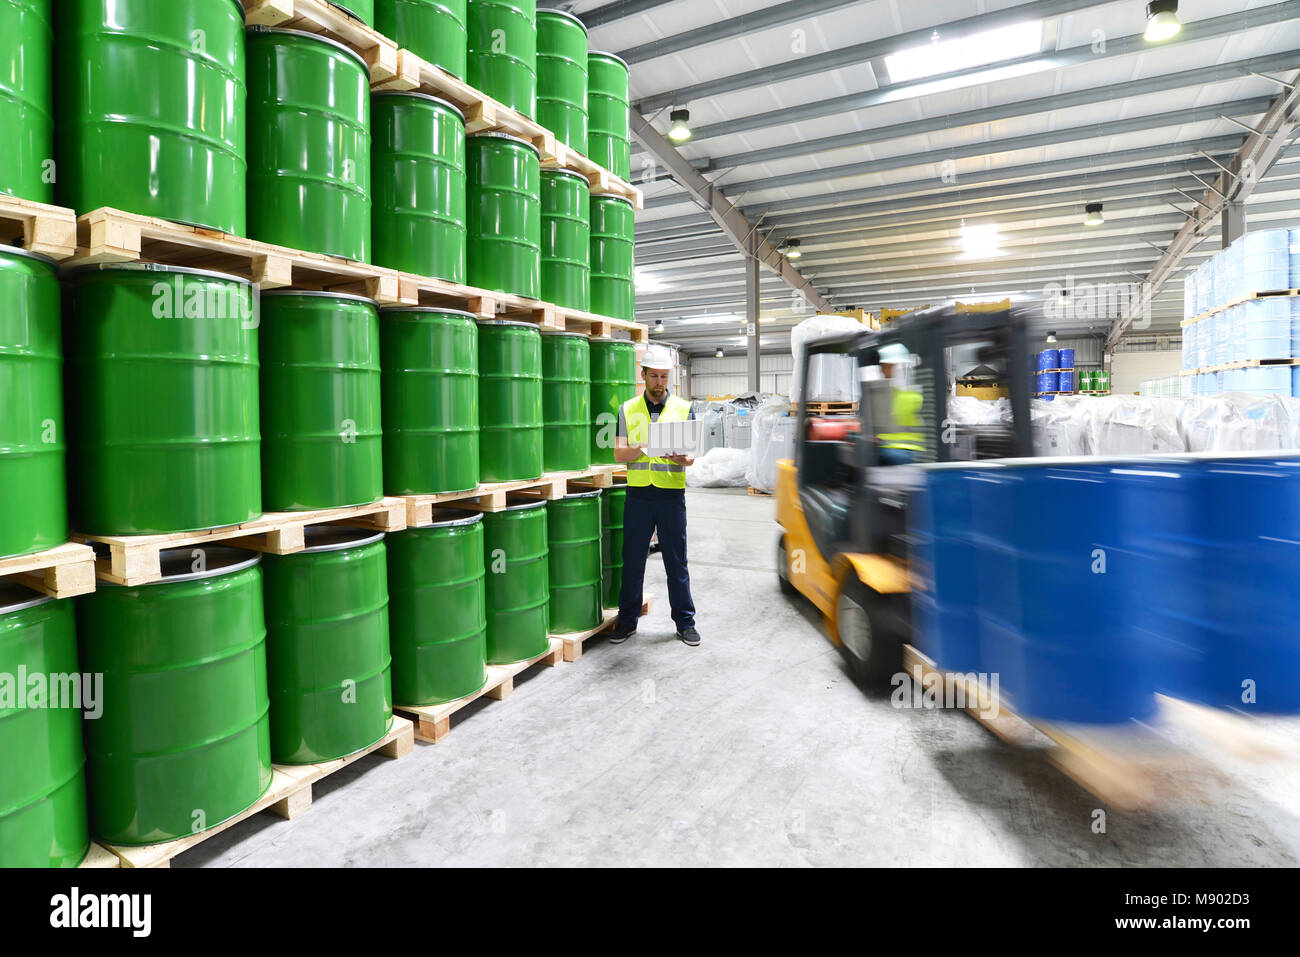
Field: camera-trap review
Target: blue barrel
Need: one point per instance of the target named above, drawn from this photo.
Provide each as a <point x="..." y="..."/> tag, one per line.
<point x="1268" y="328"/>
<point x="1065" y="381"/>
<point x="1295" y="382"/>
<point x="1049" y="359"/>
<point x="1295" y="259"/>
<point x="1266" y="264"/>
<point x="1217" y="580"/>
<point x="1049" y="382"/>
<point x="1057" y="605"/>
<point x="944" y="564"/>
<point x="1065" y="358"/>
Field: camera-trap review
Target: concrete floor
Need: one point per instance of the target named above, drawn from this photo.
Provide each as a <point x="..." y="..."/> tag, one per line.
<point x="753" y="749"/>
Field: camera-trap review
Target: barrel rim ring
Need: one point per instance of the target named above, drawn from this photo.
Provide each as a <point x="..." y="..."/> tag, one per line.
<point x="621" y="199"/>
<point x="509" y="322"/>
<point x="519" y="506"/>
<point x="565" y="332"/>
<point x="369" y="538"/>
<point x="19" y="251"/>
<point x="259" y="28"/>
<point x="567" y="15"/>
<point x="416" y="94"/>
<point x="23" y="604"/>
<point x="448" y="311"/>
<point x="255" y="558"/>
<point x="75" y="272"/>
<point x="612" y="56"/>
<point x="319" y="294"/>
<point x="346" y="9"/>
<point x="626" y="342"/>
<point x="497" y="134"/>
<point x="471" y="518"/>
<point x="593" y="493"/>
<point x="567" y="171"/>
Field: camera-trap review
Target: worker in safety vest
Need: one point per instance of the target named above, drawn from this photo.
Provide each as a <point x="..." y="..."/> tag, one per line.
<point x="899" y="444"/>
<point x="656" y="499"/>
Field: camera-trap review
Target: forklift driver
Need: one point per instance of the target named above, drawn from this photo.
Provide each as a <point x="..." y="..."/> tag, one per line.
<point x="899" y="444"/>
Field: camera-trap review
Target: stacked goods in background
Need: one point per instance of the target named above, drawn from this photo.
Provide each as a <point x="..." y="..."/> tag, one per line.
<point x="195" y="402"/>
<point x="1241" y="326"/>
<point x="1055" y="374"/>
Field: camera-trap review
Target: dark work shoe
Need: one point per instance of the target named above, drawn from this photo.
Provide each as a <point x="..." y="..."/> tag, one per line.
<point x="618" y="634"/>
<point x="689" y="636"/>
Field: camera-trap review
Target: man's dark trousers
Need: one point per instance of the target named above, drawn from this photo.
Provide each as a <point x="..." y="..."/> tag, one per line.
<point x="645" y="510"/>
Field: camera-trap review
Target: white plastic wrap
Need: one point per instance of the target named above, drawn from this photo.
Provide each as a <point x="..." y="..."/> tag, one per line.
<point x="711" y="436"/>
<point x="811" y="330"/>
<point x="1133" y="425"/>
<point x="773" y="434"/>
<point x="737" y="428"/>
<point x="1060" y="427"/>
<point x="1240" y="423"/>
<point x="719" y="468"/>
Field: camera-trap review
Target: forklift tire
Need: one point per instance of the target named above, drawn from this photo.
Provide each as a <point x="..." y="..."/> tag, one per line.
<point x="870" y="646"/>
<point x="783" y="569"/>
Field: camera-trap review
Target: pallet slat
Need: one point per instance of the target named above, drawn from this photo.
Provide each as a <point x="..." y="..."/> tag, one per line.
<point x="136" y="559"/>
<point x="317" y="16"/>
<point x="38" y="227"/>
<point x="288" y="795"/>
<point x="1268" y="294"/>
<point x="61" y="572"/>
<point x="493" y="497"/>
<point x="573" y="641"/>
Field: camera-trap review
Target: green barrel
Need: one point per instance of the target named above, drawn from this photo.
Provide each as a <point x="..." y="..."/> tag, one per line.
<point x="32" y="446"/>
<point x="162" y="397"/>
<point x="43" y="788"/>
<point x="613" y="382"/>
<point x="184" y="741"/>
<point x="613" y="282"/>
<point x="502" y="44"/>
<point x="26" y="99"/>
<point x="562" y="77"/>
<point x="438" y="609"/>
<point x="431" y="397"/>
<point x="511" y="430"/>
<point x="419" y="185"/>
<point x="609" y="134"/>
<point x="566" y="401"/>
<point x="308" y="144"/>
<point x="611" y="548"/>
<point x="363" y="10"/>
<point x="574" y="543"/>
<point x="1101" y="380"/>
<point x="322" y="440"/>
<point x="434" y="30"/>
<point x="566" y="239"/>
<point x="327" y="646"/>
<point x="149" y="119"/>
<point x="518" y="593"/>
<point x="504" y="214"/>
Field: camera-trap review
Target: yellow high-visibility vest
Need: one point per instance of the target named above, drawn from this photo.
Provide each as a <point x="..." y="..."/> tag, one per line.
<point x="646" y="471"/>
<point x="907" y="412"/>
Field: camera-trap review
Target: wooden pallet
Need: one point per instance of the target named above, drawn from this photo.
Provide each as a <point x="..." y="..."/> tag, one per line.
<point x="1138" y="774"/>
<point x="319" y="17"/>
<point x="38" y="227"/>
<point x="573" y="641"/>
<point x="136" y="559"/>
<point x="484" y="114"/>
<point x="288" y="796"/>
<point x="64" y="571"/>
<point x="111" y="236"/>
<point x="493" y="496"/>
<point x="100" y="857"/>
<point x="1269" y="294"/>
<point x="433" y="722"/>
<point x="758" y="491"/>
<point x="826" y="408"/>
<point x="1241" y="364"/>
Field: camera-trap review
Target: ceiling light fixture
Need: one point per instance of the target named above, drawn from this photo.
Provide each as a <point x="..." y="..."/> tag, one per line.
<point x="680" y="130"/>
<point x="981" y="242"/>
<point x="1092" y="215"/>
<point x="963" y="53"/>
<point x="1162" y="20"/>
<point x="1051" y="338"/>
<point x="719" y="353"/>
<point x="792" y="250"/>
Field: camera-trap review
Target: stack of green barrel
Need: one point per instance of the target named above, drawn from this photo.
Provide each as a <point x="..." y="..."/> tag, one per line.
<point x="434" y="30"/>
<point x="613" y="382"/>
<point x="183" y="742"/>
<point x="308" y="143"/>
<point x="430" y="360"/>
<point x="322" y="441"/>
<point x="439" y="609"/>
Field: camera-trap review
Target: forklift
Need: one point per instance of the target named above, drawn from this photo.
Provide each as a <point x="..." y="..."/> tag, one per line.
<point x="843" y="502"/>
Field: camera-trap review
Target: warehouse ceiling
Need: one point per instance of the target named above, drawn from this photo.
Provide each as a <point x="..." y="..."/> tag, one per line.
<point x="939" y="150"/>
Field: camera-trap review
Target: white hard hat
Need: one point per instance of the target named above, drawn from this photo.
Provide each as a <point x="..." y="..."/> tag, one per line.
<point x="657" y="358"/>
<point x="894" y="352"/>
